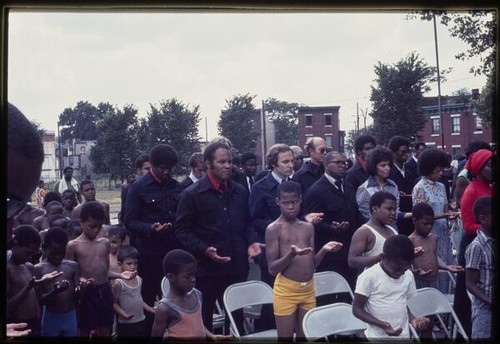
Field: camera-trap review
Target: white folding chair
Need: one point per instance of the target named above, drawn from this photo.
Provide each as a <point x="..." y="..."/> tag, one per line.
<point x="241" y="295"/>
<point x="332" y="319"/>
<point x="430" y="301"/>
<point x="250" y="313"/>
<point x="331" y="282"/>
<point x="219" y="317"/>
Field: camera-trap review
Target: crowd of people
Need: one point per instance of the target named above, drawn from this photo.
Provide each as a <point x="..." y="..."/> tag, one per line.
<point x="383" y="222"/>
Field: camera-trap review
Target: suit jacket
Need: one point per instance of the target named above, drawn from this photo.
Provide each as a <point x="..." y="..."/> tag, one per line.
<point x="308" y="174"/>
<point x="207" y="218"/>
<point x="405" y="184"/>
<point x="240" y="178"/>
<point x="355" y="176"/>
<point x="412" y="166"/>
<point x="186" y="182"/>
<point x="324" y="197"/>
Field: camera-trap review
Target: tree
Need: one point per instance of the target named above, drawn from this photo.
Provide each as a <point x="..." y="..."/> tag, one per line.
<point x="484" y="105"/>
<point x="115" y="149"/>
<point x="173" y="123"/>
<point x="285" y="117"/>
<point x="397" y="97"/>
<point x="237" y="122"/>
<point x="80" y="122"/>
<point x="476" y="28"/>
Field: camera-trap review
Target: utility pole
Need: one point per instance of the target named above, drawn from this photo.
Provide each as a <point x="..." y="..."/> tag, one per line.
<point x="263" y="127"/>
<point x="206" y="131"/>
<point x="60" y="152"/>
<point x="357" y="116"/>
<point x="441" y="127"/>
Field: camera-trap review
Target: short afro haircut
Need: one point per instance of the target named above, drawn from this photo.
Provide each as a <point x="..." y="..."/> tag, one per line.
<point x="399" y="247"/>
<point x="126" y="252"/>
<point x="141" y="159"/>
<point x="361" y="141"/>
<point x="396" y="142"/>
<point x="431" y="158"/>
<point x="55" y="235"/>
<point x="482" y="206"/>
<point x="94" y="210"/>
<point x="247" y="156"/>
<point x="25" y="235"/>
<point x="380" y="197"/>
<point x="163" y="154"/>
<point x="420" y="210"/>
<point x="289" y="186"/>
<point x="175" y="260"/>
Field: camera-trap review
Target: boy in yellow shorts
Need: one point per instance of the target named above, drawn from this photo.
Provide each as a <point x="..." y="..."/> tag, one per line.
<point x="290" y="257"/>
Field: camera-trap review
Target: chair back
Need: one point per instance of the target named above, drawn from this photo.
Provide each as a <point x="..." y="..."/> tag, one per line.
<point x="240" y="295"/>
<point x="430" y="301"/>
<point x="165" y="286"/>
<point x="331" y="282"/>
<point x="332" y="319"/>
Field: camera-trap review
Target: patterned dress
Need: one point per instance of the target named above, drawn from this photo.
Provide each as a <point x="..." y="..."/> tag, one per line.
<point x="434" y="194"/>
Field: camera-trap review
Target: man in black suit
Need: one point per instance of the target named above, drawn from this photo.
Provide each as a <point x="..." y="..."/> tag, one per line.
<point x="248" y="163"/>
<point x="412" y="162"/>
<point x="404" y="179"/>
<point x="357" y="174"/>
<point x="311" y="170"/>
<point x="198" y="168"/>
<point x="341" y="215"/>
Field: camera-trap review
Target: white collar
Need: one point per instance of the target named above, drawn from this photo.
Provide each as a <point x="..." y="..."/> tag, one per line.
<point x="277" y="177"/>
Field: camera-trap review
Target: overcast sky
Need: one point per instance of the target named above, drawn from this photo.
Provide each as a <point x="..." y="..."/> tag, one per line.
<point x="58" y="59"/>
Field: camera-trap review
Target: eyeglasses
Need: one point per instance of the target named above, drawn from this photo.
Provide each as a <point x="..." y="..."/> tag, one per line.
<point x="14" y="207"/>
<point x="322" y="150"/>
<point x="339" y="162"/>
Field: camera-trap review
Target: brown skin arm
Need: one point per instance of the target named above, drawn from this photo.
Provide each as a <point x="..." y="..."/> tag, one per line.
<point x="358" y="310"/>
<point x="355" y="257"/>
<point x="162" y="316"/>
<point x="460" y="187"/>
<point x="70" y="251"/>
<point x="471" y="280"/>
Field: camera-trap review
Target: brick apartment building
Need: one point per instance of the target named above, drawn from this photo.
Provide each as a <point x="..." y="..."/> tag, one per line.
<point x="460" y="125"/>
<point x="322" y="121"/>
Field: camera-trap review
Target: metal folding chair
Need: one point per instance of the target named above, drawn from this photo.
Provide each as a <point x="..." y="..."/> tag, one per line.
<point x="333" y="319"/>
<point x="430" y="301"/>
<point x="331" y="282"/>
<point x="244" y="294"/>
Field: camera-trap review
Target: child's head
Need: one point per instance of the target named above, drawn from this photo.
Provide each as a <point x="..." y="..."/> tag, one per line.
<point x="288" y="198"/>
<point x="74" y="229"/>
<point x="127" y="258"/>
<point x="58" y="220"/>
<point x="179" y="267"/>
<point x="482" y="212"/>
<point x="53" y="208"/>
<point x="88" y="190"/>
<point x="92" y="216"/>
<point x="26" y="243"/>
<point x="398" y="254"/>
<point x="383" y="207"/>
<point x="69" y="200"/>
<point x="54" y="245"/>
<point x="423" y="218"/>
<point x="116" y="236"/>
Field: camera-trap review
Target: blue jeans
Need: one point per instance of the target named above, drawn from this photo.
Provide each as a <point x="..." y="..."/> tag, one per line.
<point x="481" y="321"/>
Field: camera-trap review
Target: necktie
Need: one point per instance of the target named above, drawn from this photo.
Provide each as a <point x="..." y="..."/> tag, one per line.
<point x="284" y="180"/>
<point x="338" y="184"/>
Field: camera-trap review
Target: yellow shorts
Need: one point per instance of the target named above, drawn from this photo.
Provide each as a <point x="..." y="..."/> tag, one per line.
<point x="288" y="295"/>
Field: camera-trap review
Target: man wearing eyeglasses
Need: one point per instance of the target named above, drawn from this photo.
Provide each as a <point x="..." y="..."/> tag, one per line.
<point x="311" y="170"/>
<point x="341" y="215"/>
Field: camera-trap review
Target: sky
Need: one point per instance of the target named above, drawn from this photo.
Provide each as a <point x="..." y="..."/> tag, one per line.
<point x="56" y="59"/>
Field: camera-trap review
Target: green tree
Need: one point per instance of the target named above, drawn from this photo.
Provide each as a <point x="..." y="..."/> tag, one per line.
<point x="237" y="122"/>
<point x="397" y="97"/>
<point x="484" y="105"/>
<point x="476" y="28"/>
<point x="173" y="123"/>
<point x="285" y="117"/>
<point x="115" y="149"/>
<point x="80" y="122"/>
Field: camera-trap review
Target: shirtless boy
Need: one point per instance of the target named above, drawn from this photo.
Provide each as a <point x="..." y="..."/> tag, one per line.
<point x="52" y="208"/>
<point x="59" y="296"/>
<point x="22" y="300"/>
<point x="290" y="257"/>
<point x="91" y="252"/>
<point x="69" y="202"/>
<point x="426" y="266"/>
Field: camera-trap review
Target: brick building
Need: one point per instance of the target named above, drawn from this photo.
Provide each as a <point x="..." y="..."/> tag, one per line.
<point x="322" y="121"/>
<point x="460" y="125"/>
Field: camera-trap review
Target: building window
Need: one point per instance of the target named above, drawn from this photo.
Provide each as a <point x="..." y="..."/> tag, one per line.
<point x="70" y="161"/>
<point x="478" y="123"/>
<point x="328" y="140"/>
<point x="328" y="119"/>
<point x="82" y="150"/>
<point x="435" y="126"/>
<point x="309" y="120"/>
<point x="455" y="125"/>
